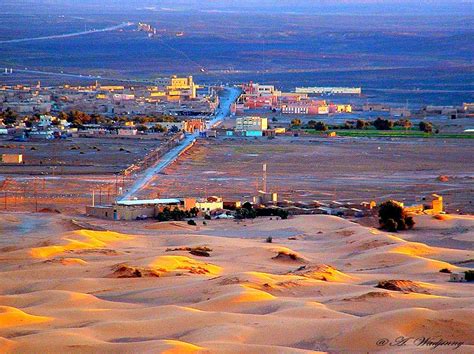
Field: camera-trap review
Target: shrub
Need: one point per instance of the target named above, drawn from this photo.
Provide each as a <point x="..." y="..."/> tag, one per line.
<point x="283" y="214"/>
<point x="401" y="225"/>
<point x="409" y="222"/>
<point x="175" y="214"/>
<point x="390" y="225"/>
<point x="445" y="270"/>
<point x="469" y="274"/>
<point x="245" y="213"/>
<point x="192" y="222"/>
<point x="269" y="239"/>
<point x="247" y="206"/>
<point x="207" y="217"/>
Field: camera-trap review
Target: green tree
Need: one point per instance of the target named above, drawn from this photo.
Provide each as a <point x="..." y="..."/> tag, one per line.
<point x="426" y="127"/>
<point x="296" y="122"/>
<point x="311" y="124"/>
<point x="361" y="124"/>
<point x="62" y="116"/>
<point x="405" y="123"/>
<point x="320" y="126"/>
<point x="159" y="128"/>
<point x="9" y="117"/>
<point x="382" y="124"/>
<point x="392" y="217"/>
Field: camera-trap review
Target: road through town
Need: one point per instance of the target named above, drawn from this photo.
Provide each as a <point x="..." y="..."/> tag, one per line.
<point x="227" y="98"/>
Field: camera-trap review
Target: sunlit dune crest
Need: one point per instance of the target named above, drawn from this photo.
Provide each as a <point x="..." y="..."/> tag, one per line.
<point x="182" y="263"/>
<point x="177" y="347"/>
<point x="13" y="317"/>
<point x="80" y="240"/>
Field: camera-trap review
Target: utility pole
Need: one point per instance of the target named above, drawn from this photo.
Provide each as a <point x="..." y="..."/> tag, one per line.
<point x="36" y="194"/>
<point x="116" y="185"/>
<point x="93" y="198"/>
<point x="264" y="181"/>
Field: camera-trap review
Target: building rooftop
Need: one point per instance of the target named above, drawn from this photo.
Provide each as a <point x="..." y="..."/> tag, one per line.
<point x="148" y="201"/>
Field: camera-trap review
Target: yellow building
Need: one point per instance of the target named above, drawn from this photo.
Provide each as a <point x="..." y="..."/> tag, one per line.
<point x="280" y="130"/>
<point x="178" y="86"/>
<point x="158" y="94"/>
<point x="344" y="108"/>
<point x="436" y="202"/>
<point x="11" y="158"/>
<point x="210" y="204"/>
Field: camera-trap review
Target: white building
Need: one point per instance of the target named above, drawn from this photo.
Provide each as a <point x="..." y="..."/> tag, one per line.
<point x="330" y="90"/>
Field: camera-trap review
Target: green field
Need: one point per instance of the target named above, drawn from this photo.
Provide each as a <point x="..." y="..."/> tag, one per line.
<point x="372" y="133"/>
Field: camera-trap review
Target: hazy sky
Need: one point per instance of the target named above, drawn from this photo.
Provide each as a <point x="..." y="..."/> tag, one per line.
<point x="339" y="6"/>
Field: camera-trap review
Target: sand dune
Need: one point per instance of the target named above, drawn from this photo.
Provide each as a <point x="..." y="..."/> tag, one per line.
<point x="314" y="289"/>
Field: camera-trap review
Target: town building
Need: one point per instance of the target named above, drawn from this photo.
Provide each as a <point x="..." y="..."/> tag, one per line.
<point x="468" y="107"/>
<point x="458" y="277"/>
<point x="432" y="205"/>
<point x="400" y="112"/>
<point x="264" y="198"/>
<point x="137" y="209"/>
<point x="251" y="126"/>
<point x="150" y="208"/>
<point x="177" y="87"/>
<point x="209" y="204"/>
<point x="127" y="131"/>
<point x="330" y="90"/>
<point x="11" y="158"/>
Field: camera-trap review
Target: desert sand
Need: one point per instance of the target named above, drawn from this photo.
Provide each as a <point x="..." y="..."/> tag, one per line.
<point x="220" y="288"/>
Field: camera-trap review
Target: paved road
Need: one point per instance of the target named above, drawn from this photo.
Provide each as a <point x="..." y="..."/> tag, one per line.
<point x="68" y="35"/>
<point x="228" y="97"/>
